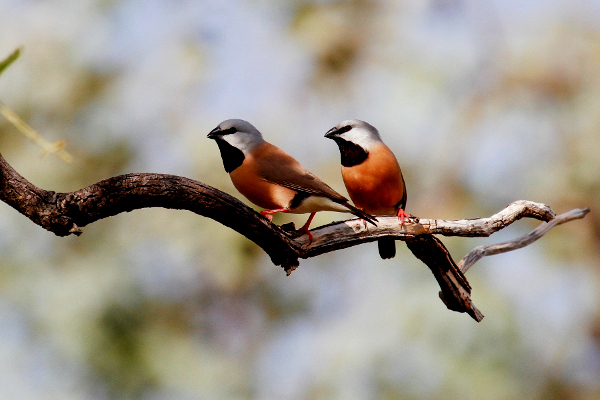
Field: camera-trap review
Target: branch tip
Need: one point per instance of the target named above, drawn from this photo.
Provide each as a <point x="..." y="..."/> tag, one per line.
<point x="76" y="230"/>
<point x="481" y="251"/>
<point x="289" y="269"/>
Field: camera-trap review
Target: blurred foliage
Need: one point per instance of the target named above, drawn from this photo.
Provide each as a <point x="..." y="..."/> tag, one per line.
<point x="337" y="33"/>
<point x="483" y="104"/>
<point x="9" y="60"/>
<point x="118" y="355"/>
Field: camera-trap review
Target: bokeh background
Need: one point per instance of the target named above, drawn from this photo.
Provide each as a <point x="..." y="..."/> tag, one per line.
<point x="483" y="102"/>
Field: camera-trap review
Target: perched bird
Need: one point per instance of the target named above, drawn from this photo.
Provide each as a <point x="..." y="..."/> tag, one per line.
<point x="271" y="178"/>
<point x="371" y="174"/>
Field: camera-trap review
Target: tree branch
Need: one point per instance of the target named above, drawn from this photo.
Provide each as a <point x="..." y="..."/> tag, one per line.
<point x="481" y="251"/>
<point x="66" y="213"/>
<point x="349" y="233"/>
<point x="456" y="291"/>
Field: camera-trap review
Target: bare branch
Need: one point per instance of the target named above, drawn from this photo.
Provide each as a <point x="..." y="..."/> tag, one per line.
<point x="456" y="291"/>
<point x="66" y="213"/>
<point x="339" y="235"/>
<point x="481" y="251"/>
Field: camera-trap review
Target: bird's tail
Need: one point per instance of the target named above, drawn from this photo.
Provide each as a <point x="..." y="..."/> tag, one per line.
<point x="361" y="214"/>
<point x="387" y="247"/>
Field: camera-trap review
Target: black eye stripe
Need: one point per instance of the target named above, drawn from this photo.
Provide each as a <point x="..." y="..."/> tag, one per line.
<point x="344" y="129"/>
<point x="228" y="131"/>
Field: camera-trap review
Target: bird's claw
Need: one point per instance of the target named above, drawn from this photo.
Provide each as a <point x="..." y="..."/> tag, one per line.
<point x="310" y="236"/>
<point x="267" y="215"/>
<point x="402" y="215"/>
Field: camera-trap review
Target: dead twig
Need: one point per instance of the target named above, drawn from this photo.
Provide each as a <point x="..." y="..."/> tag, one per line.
<point x="481" y="251"/>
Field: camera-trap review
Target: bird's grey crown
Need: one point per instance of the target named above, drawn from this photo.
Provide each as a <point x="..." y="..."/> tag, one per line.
<point x="239" y="125"/>
<point x="238" y="133"/>
<point x="357" y="123"/>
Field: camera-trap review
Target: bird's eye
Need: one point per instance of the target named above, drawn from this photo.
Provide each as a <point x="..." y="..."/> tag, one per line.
<point x="229" y="131"/>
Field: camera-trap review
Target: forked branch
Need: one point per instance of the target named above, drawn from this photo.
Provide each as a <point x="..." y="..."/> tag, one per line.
<point x="66" y="213"/>
<point x="481" y="251"/>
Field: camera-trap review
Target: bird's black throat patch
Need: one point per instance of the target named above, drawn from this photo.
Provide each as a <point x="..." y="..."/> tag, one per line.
<point x="352" y="154"/>
<point x="232" y="156"/>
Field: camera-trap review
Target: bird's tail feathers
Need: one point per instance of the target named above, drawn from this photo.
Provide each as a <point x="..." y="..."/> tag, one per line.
<point x="387" y="247"/>
<point x="361" y="214"/>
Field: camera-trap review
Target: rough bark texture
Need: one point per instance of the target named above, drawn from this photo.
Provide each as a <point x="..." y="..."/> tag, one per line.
<point x="456" y="291"/>
<point x="481" y="251"/>
<point x="66" y="213"/>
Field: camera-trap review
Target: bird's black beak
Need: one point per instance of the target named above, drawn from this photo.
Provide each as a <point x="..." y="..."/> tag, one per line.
<point x="215" y="133"/>
<point x="331" y="133"/>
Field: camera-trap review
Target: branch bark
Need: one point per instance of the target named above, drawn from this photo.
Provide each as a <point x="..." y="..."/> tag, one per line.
<point x="352" y="232"/>
<point x="481" y="251"/>
<point x="66" y="213"/>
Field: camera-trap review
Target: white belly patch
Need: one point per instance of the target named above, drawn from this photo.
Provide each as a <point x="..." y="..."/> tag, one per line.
<point x="317" y="203"/>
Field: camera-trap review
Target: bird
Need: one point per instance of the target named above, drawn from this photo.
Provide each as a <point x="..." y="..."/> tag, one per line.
<point x="371" y="174"/>
<point x="272" y="179"/>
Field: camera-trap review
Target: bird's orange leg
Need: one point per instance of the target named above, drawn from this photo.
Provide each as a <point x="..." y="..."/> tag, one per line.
<point x="402" y="215"/>
<point x="306" y="225"/>
<point x="267" y="213"/>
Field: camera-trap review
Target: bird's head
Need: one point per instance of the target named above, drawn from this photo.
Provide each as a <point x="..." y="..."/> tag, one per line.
<point x="238" y="133"/>
<point x="355" y="132"/>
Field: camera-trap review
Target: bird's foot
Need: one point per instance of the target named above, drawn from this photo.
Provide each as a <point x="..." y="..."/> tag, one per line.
<point x="402" y="215"/>
<point x="310" y="236"/>
<point x="267" y="213"/>
<point x="305" y="228"/>
<point x="267" y="216"/>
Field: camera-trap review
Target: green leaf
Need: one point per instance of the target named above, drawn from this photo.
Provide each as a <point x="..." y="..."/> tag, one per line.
<point x="9" y="60"/>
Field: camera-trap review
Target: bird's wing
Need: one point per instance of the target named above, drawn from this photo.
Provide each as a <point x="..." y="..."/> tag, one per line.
<point x="402" y="203"/>
<point x="276" y="166"/>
